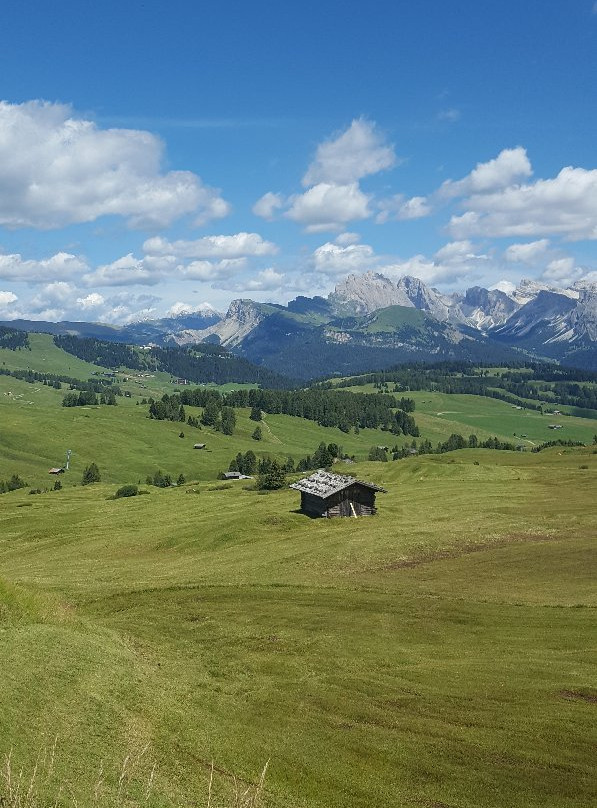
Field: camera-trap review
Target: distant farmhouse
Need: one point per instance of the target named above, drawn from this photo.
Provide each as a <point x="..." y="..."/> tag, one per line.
<point x="329" y="495"/>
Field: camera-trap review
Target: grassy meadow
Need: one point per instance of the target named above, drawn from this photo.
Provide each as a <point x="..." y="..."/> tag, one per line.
<point x="438" y="655"/>
<point x="438" y="415"/>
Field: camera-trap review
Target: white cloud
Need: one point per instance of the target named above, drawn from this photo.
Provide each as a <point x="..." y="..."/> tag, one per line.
<point x="527" y="253"/>
<point x="213" y="270"/>
<point x="91" y="301"/>
<point x="125" y="308"/>
<point x="562" y="272"/>
<point x="565" y="206"/>
<point x="265" y="281"/>
<point x="62" y="265"/>
<point x="359" y="151"/>
<point x="344" y="239"/>
<point x="511" y="165"/>
<point x="504" y="286"/>
<point x="179" y="308"/>
<point x="329" y="207"/>
<point x="332" y="259"/>
<point x="402" y="209"/>
<point x="6" y="298"/>
<point x="58" y="169"/>
<point x="235" y="246"/>
<point x="455" y="261"/>
<point x="456" y="252"/>
<point x="128" y="271"/>
<point x="267" y="205"/>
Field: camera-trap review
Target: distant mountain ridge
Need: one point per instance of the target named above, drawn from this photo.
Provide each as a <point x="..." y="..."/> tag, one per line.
<point x="369" y="322"/>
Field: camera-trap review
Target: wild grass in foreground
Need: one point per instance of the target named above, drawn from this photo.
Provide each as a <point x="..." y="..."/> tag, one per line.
<point x="132" y="785"/>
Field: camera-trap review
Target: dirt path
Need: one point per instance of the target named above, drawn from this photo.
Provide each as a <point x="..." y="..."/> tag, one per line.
<point x="275" y="438"/>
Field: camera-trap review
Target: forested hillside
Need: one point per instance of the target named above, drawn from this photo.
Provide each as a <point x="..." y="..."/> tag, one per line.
<point x="539" y="384"/>
<point x="197" y="363"/>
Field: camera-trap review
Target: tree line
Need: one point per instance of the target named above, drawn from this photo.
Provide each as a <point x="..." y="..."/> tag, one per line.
<point x="197" y="363"/>
<point x="528" y="383"/>
<point x="57" y="380"/>
<point x="332" y="408"/>
<point x="12" y="339"/>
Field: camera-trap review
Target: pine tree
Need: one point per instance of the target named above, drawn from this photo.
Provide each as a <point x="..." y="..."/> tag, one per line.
<point x="91" y="475"/>
<point x="256" y="414"/>
<point x="273" y="478"/>
<point x="257" y="434"/>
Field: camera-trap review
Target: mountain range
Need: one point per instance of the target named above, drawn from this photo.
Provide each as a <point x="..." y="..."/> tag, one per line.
<point x="370" y="321"/>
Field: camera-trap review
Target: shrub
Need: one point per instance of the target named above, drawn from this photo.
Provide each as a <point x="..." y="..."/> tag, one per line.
<point x="127" y="491"/>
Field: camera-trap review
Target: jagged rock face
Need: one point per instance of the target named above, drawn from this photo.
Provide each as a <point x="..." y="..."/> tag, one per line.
<point x="548" y="314"/>
<point x="362" y="294"/>
<point x="425" y="298"/>
<point x="583" y="319"/>
<point x="241" y="318"/>
<point x="484" y="309"/>
<point x="527" y="290"/>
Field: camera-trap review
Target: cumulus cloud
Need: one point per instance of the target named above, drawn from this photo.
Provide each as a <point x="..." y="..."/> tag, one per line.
<point x="125" y="308"/>
<point x="329" y="207"/>
<point x="267" y="280"/>
<point x="6" y="298"/>
<point x="213" y="270"/>
<point x="333" y="259"/>
<point x="57" y="168"/>
<point x="359" y="151"/>
<point x="510" y="166"/>
<point x="528" y="253"/>
<point x="344" y="239"/>
<point x="455" y="261"/>
<point x="267" y="205"/>
<point x="504" y="286"/>
<point x="565" y="206"/>
<point x="400" y="208"/>
<point x="333" y="196"/>
<point x="128" y="271"/>
<point x="62" y="301"/>
<point x="235" y="246"/>
<point x="562" y="272"/>
<point x="13" y="267"/>
<point x="91" y="301"/>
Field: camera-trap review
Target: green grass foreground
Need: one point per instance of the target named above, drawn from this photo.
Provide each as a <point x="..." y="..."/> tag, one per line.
<point x="438" y="654"/>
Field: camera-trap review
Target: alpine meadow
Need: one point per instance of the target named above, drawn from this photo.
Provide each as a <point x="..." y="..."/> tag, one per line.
<point x="298" y="404"/>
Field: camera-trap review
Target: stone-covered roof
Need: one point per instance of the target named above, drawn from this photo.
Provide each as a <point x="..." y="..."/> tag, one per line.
<point x="323" y="484"/>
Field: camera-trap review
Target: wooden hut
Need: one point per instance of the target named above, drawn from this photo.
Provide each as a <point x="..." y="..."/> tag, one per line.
<point x="327" y="494"/>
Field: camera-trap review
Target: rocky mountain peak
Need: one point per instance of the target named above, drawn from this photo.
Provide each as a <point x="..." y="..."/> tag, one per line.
<point x="363" y="294"/>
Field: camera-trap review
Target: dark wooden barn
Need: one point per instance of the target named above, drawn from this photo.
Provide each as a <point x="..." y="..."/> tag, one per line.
<point x="327" y="494"/>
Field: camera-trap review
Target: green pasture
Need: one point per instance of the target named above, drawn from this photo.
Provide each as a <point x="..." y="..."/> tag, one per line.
<point x="45" y="357"/>
<point x="36" y="431"/>
<point x="438" y="654"/>
<point x="438" y="415"/>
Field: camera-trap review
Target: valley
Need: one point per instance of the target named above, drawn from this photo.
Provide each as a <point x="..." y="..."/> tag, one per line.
<point x="435" y="654"/>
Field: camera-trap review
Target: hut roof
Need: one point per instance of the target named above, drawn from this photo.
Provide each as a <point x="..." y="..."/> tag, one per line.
<point x="55" y="471"/>
<point x="323" y="484"/>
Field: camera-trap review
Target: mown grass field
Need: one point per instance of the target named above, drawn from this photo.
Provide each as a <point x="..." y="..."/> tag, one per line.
<point x="440" y="414"/>
<point x="36" y="431"/>
<point x="438" y="655"/>
<point x="441" y="653"/>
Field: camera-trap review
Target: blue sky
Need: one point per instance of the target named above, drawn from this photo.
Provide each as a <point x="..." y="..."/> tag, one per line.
<point x="157" y="156"/>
